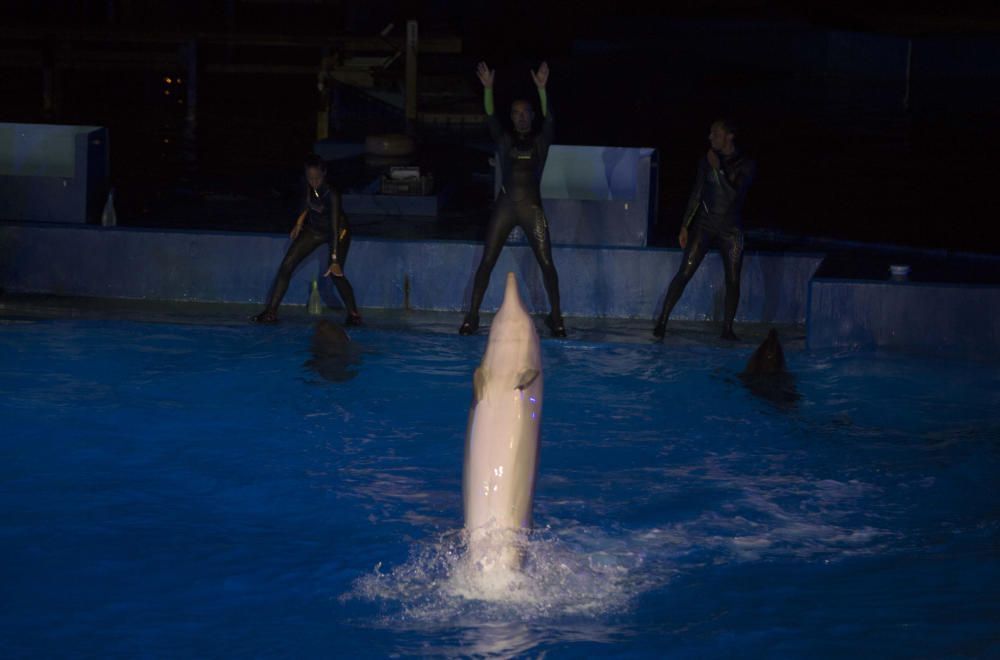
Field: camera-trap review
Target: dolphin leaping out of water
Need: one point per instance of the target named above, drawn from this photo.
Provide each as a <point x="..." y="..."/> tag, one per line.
<point x="501" y="443"/>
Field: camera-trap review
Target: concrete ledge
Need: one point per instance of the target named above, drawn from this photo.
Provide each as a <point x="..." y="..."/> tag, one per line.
<point x="422" y="275"/>
<point x="958" y="319"/>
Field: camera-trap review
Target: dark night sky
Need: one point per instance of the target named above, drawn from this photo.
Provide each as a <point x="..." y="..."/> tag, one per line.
<point x="839" y="155"/>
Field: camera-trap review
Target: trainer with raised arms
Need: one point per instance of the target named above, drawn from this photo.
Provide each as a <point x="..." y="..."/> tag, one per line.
<point x="522" y="157"/>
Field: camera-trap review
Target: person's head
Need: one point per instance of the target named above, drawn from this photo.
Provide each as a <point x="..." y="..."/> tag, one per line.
<point x="315" y="171"/>
<point x="522" y="114"/>
<point x="722" y="135"/>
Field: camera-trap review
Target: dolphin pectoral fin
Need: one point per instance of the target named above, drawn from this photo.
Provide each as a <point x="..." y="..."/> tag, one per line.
<point x="526" y="378"/>
<point x="479" y="384"/>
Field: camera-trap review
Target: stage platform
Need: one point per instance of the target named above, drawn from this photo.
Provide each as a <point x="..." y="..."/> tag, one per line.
<point x="388" y="274"/>
<point x="839" y="307"/>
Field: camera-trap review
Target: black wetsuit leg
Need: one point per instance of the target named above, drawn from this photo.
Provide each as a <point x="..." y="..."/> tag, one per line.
<point x="502" y="221"/>
<point x="694" y="252"/>
<point x="731" y="249"/>
<point x="303" y="245"/>
<point x="343" y="285"/>
<point x="532" y="220"/>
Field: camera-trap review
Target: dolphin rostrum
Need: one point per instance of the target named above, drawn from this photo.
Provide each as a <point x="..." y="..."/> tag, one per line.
<point x="501" y="443"/>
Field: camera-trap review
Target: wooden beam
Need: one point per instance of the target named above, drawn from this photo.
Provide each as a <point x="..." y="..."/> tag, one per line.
<point x="354" y="78"/>
<point x="411" y="72"/>
<point x="79" y="59"/>
<point x="451" y="118"/>
<point x="376" y="44"/>
<point x="296" y="69"/>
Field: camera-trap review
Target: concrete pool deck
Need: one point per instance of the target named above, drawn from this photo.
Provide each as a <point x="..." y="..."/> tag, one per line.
<point x="15" y="308"/>
<point x="950" y="305"/>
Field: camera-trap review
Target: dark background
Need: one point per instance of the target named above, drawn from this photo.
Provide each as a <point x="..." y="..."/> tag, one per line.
<point x="818" y="89"/>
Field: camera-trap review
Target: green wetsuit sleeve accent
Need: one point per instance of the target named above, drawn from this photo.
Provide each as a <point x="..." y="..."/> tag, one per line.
<point x="488" y="100"/>
<point x="496" y="131"/>
<point x="548" y="128"/>
<point x="544" y="101"/>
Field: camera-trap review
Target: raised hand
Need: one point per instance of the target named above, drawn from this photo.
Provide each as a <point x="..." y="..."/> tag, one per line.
<point x="542" y="75"/>
<point x="485" y="75"/>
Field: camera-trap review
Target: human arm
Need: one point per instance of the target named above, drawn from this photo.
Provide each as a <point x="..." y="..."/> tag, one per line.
<point x="734" y="179"/>
<point x="541" y="79"/>
<point x="486" y="76"/>
<point x="297" y="228"/>
<point x="695" y="199"/>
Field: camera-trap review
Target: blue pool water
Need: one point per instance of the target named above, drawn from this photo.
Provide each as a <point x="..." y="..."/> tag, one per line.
<point x="172" y="490"/>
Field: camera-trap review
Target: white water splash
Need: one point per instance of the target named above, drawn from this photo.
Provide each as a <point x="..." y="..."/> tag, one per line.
<point x="586" y="573"/>
<point x="441" y="583"/>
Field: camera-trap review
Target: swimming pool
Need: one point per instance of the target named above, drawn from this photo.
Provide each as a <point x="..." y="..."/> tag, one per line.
<point x="174" y="489"/>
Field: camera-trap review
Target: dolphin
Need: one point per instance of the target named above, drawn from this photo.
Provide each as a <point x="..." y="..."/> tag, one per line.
<point x="333" y="354"/>
<point x="766" y="375"/>
<point x="501" y="442"/>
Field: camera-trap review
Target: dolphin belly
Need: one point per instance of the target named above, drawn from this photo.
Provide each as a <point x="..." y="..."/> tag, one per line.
<point x="501" y="442"/>
<point x="501" y="459"/>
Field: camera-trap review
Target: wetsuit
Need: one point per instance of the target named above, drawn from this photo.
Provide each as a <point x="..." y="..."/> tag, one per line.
<point x="324" y="220"/>
<point x="521" y="161"/>
<point x="714" y="217"/>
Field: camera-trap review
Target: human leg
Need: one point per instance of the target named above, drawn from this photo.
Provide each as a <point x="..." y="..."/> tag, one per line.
<point x="303" y="245"/>
<point x="341" y="283"/>
<point x="694" y="253"/>
<point x="501" y="222"/>
<point x="731" y="249"/>
<point x="536" y="229"/>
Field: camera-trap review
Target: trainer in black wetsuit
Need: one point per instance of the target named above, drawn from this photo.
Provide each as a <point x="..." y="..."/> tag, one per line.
<point x="715" y="218"/>
<point x="521" y="160"/>
<point x="321" y="221"/>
